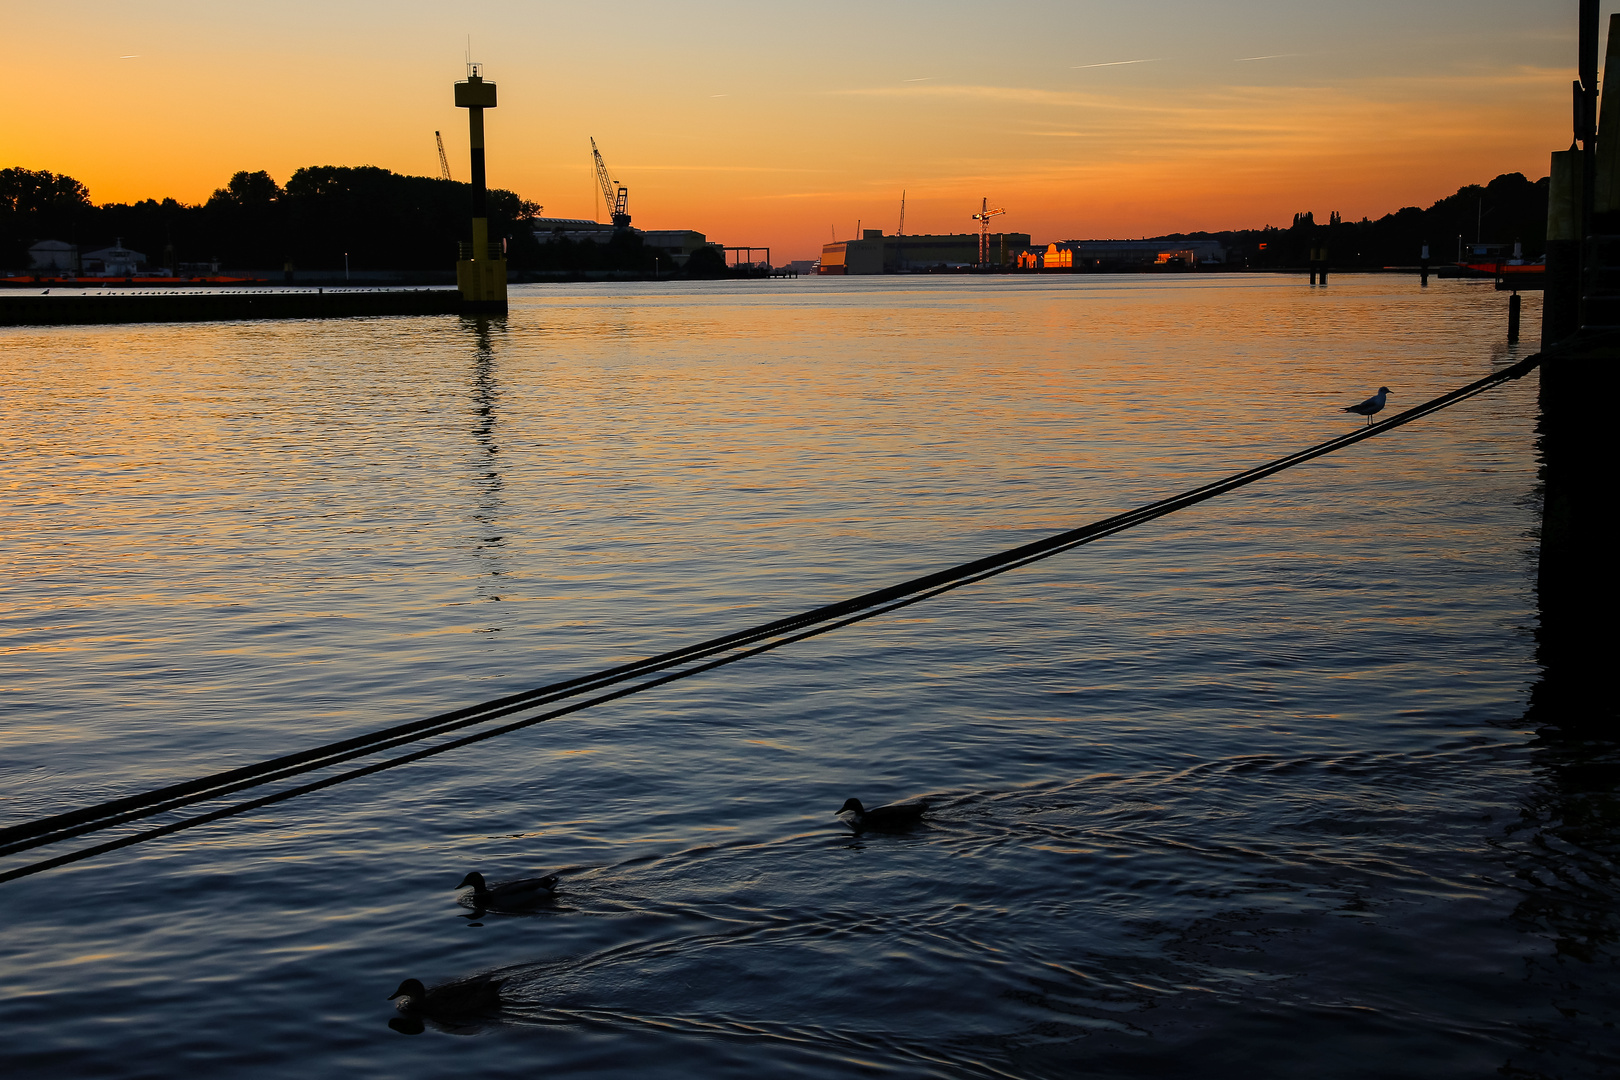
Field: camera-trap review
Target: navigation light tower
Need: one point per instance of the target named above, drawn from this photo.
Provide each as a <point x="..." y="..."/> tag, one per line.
<point x="481" y="270"/>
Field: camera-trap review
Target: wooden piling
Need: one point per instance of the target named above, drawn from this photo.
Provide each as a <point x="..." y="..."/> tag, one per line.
<point x="1561" y="302"/>
<point x="1580" y="377"/>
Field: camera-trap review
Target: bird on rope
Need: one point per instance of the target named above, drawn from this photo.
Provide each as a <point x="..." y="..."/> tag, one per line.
<point x="1371" y="405"/>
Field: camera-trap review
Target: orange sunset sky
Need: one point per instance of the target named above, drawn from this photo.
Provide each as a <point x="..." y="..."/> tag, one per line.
<point x="783" y="124"/>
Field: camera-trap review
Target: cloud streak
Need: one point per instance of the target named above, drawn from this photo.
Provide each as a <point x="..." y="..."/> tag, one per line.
<point x="1115" y="63"/>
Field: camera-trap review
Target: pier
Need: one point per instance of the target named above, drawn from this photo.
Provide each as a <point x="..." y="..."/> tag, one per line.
<point x="66" y="309"/>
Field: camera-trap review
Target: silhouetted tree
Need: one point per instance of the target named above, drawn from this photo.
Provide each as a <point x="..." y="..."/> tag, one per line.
<point x="1509" y="209"/>
<point x="38" y="206"/>
<point x="705" y="262"/>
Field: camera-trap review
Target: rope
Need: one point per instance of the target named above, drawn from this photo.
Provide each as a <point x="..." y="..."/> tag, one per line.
<point x="632" y="678"/>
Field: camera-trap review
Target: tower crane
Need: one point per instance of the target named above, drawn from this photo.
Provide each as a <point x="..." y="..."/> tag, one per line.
<point x="618" y="201"/>
<point x="983" y="218"/>
<point x="444" y="162"/>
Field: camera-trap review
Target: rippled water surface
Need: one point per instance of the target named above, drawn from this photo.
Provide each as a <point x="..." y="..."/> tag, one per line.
<point x="1248" y="791"/>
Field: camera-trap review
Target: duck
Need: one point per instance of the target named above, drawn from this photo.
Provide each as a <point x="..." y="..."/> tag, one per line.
<point x="893" y="816"/>
<point x="1371" y="405"/>
<point x="508" y="895"/>
<point x="457" y="999"/>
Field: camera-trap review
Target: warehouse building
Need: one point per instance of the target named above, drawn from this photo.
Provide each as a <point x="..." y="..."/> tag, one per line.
<point x="1070" y="255"/>
<point x="678" y="244"/>
<point x="875" y="253"/>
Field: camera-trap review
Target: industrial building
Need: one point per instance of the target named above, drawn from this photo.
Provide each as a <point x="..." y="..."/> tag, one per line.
<point x="1071" y="255"/>
<point x="875" y="253"/>
<point x="115" y="261"/>
<point x="58" y="256"/>
<point x="678" y="244"/>
<point x="53" y="255"/>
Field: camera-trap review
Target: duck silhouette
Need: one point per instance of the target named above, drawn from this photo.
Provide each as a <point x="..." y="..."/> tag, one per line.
<point x="453" y="1006"/>
<point x="882" y="818"/>
<point x="509" y="895"/>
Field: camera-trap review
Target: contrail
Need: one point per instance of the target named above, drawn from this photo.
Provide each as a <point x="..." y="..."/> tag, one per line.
<point x="1273" y="56"/>
<point x="1116" y="63"/>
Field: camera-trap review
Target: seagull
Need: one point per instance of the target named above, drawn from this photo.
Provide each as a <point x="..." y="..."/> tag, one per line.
<point x="509" y="895"/>
<point x="893" y="816"/>
<point x="1371" y="405"/>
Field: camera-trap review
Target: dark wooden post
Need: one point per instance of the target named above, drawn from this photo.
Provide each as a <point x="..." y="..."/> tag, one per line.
<point x="1561" y="302"/>
<point x="1580" y="378"/>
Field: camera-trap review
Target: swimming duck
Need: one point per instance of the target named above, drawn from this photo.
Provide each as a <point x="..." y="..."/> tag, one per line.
<point x="508" y="895"/>
<point x="457" y="999"/>
<point x="893" y="816"/>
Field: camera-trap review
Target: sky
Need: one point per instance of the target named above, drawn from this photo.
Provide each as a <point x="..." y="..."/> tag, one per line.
<point x="780" y="124"/>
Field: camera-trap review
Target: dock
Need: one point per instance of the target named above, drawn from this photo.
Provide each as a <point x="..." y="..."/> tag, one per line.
<point x="63" y="309"/>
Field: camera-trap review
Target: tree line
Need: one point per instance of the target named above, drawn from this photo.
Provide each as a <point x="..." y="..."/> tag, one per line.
<point x="373" y="218"/>
<point x="380" y="219"/>
<point x="1508" y="210"/>
<point x="387" y="221"/>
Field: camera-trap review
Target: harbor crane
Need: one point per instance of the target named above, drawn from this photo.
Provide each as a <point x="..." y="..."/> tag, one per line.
<point x="444" y="162"/>
<point x="983" y="218"/>
<point x="618" y="201"/>
<point x="900" y="235"/>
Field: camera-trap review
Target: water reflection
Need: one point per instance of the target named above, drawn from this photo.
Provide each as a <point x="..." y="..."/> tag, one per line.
<point x="489" y="542"/>
<point x="1161" y="842"/>
<point x="1566" y="859"/>
<point x="1565" y="848"/>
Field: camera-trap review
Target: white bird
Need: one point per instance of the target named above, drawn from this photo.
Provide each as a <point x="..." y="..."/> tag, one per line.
<point x="1371" y="405"/>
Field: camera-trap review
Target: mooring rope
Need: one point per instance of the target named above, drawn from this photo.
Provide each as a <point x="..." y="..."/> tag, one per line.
<point x="632" y="678"/>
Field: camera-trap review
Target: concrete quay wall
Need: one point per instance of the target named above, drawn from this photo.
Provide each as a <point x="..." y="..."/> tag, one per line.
<point x="53" y="309"/>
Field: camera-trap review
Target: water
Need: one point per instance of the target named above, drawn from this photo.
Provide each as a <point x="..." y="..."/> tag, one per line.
<point x="1247" y="791"/>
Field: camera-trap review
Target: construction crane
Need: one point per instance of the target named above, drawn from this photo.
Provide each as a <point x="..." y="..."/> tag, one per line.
<point x="618" y="201"/>
<point x="983" y="218"/>
<point x="900" y="235"/>
<point x="444" y="162"/>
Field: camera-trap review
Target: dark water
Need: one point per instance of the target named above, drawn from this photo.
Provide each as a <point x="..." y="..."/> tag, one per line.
<point x="1246" y="792"/>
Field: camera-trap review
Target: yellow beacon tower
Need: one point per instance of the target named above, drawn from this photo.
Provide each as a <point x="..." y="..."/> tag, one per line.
<point x="481" y="270"/>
